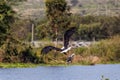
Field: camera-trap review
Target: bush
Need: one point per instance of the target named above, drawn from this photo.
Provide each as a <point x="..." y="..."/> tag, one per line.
<point x="15" y="51"/>
<point x="107" y="50"/>
<point x="80" y="50"/>
<point x="28" y="55"/>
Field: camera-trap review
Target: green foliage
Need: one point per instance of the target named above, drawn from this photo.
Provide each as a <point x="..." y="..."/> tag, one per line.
<point x="28" y="55"/>
<point x="6" y="14"/>
<point x="88" y="28"/>
<point x="89" y="31"/>
<point x="16" y="65"/>
<point x="58" y="15"/>
<point x="80" y="50"/>
<point x="55" y="5"/>
<point x="53" y="58"/>
<point x="107" y="50"/>
<point x="12" y="48"/>
<point x="21" y="29"/>
<point x="15" y="51"/>
<point x="42" y="30"/>
<point x="98" y="27"/>
<point x="59" y="19"/>
<point x="6" y="19"/>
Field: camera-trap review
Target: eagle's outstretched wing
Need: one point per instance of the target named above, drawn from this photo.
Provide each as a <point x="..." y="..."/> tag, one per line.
<point x="67" y="36"/>
<point x="47" y="49"/>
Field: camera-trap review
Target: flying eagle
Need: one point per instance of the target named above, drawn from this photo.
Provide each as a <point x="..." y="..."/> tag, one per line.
<point x="65" y="48"/>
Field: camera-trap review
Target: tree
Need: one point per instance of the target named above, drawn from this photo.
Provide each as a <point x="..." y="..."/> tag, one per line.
<point x="6" y="19"/>
<point x="58" y="15"/>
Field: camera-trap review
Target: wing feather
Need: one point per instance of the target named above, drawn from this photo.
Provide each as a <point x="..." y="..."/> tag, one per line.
<point x="67" y="36"/>
<point x="47" y="49"/>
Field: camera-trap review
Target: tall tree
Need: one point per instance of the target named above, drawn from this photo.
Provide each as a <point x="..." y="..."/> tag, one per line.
<point x="58" y="15"/>
<point x="6" y="19"/>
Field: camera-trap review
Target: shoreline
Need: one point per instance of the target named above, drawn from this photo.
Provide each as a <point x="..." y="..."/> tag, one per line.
<point x="32" y="65"/>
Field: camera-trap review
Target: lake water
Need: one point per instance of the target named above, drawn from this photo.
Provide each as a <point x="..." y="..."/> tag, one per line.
<point x="110" y="71"/>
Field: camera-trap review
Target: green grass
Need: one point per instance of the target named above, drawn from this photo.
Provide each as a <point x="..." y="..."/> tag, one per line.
<point x="17" y="65"/>
<point x="27" y="65"/>
<point x="31" y="65"/>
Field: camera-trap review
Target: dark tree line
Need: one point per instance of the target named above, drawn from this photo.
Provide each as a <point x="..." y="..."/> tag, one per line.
<point x="98" y="27"/>
<point x="88" y="28"/>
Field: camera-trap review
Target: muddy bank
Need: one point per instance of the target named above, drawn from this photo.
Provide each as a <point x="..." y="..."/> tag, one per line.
<point x="86" y="59"/>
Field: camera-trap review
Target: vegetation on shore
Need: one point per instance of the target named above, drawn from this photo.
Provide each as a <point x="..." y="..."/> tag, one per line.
<point x="107" y="51"/>
<point x="17" y="65"/>
<point x="105" y="30"/>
